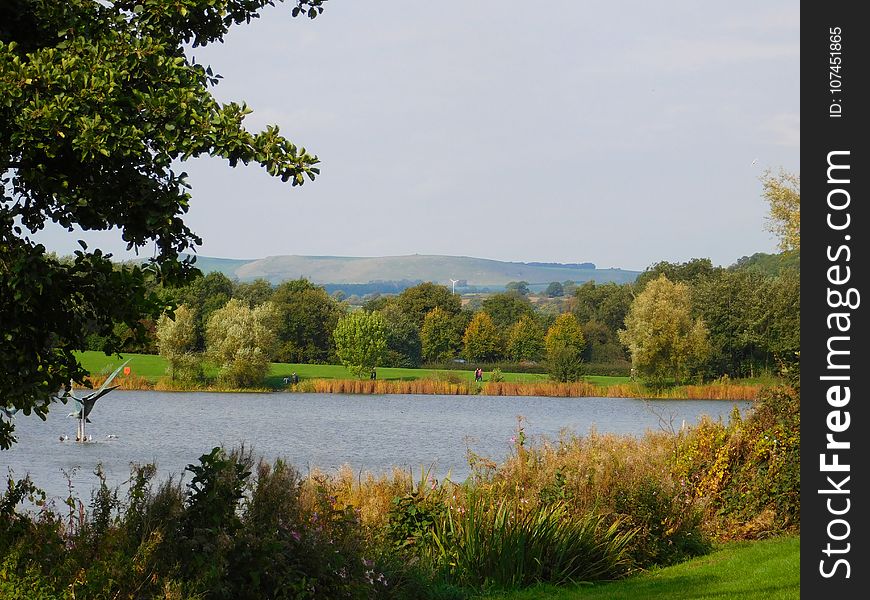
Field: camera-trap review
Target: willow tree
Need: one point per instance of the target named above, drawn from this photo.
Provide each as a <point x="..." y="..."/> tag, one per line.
<point x="782" y="190"/>
<point x="240" y="340"/>
<point x="99" y="107"/>
<point x="665" y="342"/>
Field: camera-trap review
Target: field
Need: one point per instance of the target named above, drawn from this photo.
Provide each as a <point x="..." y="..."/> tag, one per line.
<point x="152" y="367"/>
<point x="768" y="569"/>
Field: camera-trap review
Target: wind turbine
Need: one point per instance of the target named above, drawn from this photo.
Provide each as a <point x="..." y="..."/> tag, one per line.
<point x="454" y="281"/>
<point x="86" y="403"/>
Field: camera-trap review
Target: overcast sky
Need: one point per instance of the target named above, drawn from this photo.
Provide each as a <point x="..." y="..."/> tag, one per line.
<point x="621" y="133"/>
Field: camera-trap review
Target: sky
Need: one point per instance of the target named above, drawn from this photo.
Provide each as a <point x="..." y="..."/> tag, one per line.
<point x="618" y="133"/>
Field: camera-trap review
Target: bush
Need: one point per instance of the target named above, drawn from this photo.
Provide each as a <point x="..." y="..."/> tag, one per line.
<point x="748" y="471"/>
<point x="667" y="521"/>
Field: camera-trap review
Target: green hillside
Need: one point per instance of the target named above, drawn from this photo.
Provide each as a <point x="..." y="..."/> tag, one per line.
<point x="417" y="267"/>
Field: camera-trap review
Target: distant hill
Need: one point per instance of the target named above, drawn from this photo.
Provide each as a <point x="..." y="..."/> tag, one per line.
<point x="469" y="271"/>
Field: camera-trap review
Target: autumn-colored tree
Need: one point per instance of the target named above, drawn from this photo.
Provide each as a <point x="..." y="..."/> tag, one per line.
<point x="481" y="340"/>
<point x="525" y="339"/>
<point x="665" y="342"/>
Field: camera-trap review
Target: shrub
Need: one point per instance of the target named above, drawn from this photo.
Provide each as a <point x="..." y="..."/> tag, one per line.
<point x="747" y="472"/>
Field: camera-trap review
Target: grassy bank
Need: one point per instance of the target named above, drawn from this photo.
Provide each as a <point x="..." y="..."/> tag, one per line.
<point x="148" y="372"/>
<point x="768" y="569"/>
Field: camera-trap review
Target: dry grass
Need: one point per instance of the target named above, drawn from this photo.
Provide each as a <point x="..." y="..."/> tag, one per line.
<point x="451" y="386"/>
<point x="579" y="389"/>
<point x="367" y="386"/>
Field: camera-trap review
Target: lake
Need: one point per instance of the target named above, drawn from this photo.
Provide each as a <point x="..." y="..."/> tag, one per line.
<point x="368" y="432"/>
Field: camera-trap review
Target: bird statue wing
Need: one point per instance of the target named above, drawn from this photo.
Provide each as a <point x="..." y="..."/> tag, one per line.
<point x="91" y="399"/>
<point x="112" y="376"/>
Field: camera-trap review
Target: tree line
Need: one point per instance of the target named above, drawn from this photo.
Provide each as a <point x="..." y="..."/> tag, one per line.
<point x="677" y="322"/>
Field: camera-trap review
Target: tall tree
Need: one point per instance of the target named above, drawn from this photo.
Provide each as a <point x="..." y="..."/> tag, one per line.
<point x="417" y="301"/>
<point x="254" y="292"/>
<point x="204" y="295"/>
<point x="517" y="287"/>
<point x="555" y="290"/>
<point x="308" y="316"/>
<point x="360" y="341"/>
<point x="687" y="272"/>
<point x="241" y="340"/>
<point x="565" y="344"/>
<point x="178" y="343"/>
<point x="100" y="105"/>
<point x="665" y="342"/>
<point x="782" y="190"/>
<point x="439" y="336"/>
<point x="507" y="308"/>
<point x="481" y="340"/>
<point x="403" y="339"/>
<point x="525" y="340"/>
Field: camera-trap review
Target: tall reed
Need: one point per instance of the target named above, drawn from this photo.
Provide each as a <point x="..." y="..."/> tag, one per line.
<point x="504" y="544"/>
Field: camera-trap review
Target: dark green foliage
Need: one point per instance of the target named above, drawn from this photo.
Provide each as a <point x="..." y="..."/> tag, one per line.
<point x="770" y="264"/>
<point x="520" y="288"/>
<point x="413" y="517"/>
<point x="204" y="295"/>
<point x="308" y="316"/>
<point x="688" y="272"/>
<point x="753" y="319"/>
<point x="254" y="293"/>
<point x="506" y="309"/>
<point x="601" y="311"/>
<point x="100" y="104"/>
<point x="555" y="290"/>
<point x="415" y="302"/>
<point x="404" y="348"/>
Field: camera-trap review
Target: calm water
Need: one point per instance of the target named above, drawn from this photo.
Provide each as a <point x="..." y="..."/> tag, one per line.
<point x="369" y="433"/>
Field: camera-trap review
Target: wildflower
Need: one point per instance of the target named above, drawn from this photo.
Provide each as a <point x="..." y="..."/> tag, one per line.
<point x="295" y="535"/>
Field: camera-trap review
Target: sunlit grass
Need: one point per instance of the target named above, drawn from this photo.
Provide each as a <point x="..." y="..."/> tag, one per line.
<point x="768" y="569"/>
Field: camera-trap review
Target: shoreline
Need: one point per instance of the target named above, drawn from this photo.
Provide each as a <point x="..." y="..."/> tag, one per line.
<point x="580" y="389"/>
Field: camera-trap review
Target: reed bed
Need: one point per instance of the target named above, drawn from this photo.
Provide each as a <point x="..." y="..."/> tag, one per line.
<point x="125" y="382"/>
<point x="368" y="386"/>
<point x="453" y="387"/>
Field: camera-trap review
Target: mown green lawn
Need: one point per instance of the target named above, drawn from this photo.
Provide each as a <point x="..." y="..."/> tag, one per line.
<point x="152" y="366"/>
<point x="768" y="569"/>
